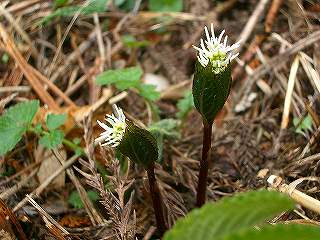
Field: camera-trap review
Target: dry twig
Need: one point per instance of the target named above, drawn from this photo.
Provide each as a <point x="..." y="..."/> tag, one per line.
<point x="43" y="185"/>
<point x="301" y="198"/>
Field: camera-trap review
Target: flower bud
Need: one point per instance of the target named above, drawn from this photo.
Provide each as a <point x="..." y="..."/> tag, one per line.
<point x="210" y="90"/>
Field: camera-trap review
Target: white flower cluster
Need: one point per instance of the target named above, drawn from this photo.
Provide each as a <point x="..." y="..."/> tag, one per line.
<point x="216" y="51"/>
<point x="114" y="129"/>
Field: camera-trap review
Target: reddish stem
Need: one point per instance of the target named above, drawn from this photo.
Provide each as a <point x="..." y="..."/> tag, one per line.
<point x="156" y="200"/>
<point x="204" y="164"/>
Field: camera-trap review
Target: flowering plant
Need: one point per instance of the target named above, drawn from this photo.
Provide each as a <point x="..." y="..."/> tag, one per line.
<point x="139" y="146"/>
<point x="211" y="88"/>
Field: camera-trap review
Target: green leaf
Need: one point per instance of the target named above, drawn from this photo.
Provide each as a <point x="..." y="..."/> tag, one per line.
<point x="54" y="121"/>
<point x="76" y="141"/>
<point x="185" y="105"/>
<point x="278" y="232"/>
<point x="89" y="8"/>
<point x="166" y="5"/>
<point x="5" y="58"/>
<point x="139" y="145"/>
<point x="52" y="139"/>
<point x="304" y="125"/>
<point x="122" y="78"/>
<point x="214" y="221"/>
<point x="127" y="78"/>
<point x="166" y="128"/>
<point x="38" y="128"/>
<point x="131" y="42"/>
<point x="15" y="122"/>
<point x="75" y="200"/>
<point x="9" y="171"/>
<point x="210" y="90"/>
<point x="128" y="5"/>
<point x="148" y="91"/>
<point x="155" y="110"/>
<point x="118" y="2"/>
<point x="59" y="3"/>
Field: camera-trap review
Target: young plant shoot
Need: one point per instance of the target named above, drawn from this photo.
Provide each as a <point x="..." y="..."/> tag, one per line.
<point x="139" y="146"/>
<point x="211" y="88"/>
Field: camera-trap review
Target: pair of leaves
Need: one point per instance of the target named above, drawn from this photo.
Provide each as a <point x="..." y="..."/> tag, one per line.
<point x="55" y="136"/>
<point x="139" y="145"/>
<point x="89" y="7"/>
<point x="210" y="90"/>
<point x="234" y="218"/>
<point x="127" y="78"/>
<point x="15" y="122"/>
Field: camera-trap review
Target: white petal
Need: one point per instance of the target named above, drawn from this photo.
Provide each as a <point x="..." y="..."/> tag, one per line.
<point x="220" y="36"/>
<point x="232" y="47"/>
<point x="234" y="56"/>
<point x="225" y="41"/>
<point x="100" y="139"/>
<point x="212" y="31"/>
<point x="104" y="126"/>
<point x="202" y="45"/>
<point x="207" y="33"/>
<point x="197" y="48"/>
<point x="116" y="110"/>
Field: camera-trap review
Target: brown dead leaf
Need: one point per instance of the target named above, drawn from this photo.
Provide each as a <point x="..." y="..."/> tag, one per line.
<point x="49" y="165"/>
<point x="73" y="221"/>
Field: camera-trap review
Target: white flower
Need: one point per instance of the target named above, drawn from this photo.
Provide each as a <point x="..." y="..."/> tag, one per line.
<point x="114" y="129"/>
<point x="216" y="51"/>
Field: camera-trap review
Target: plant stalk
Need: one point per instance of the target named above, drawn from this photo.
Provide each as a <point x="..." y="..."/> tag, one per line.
<point x="156" y="200"/>
<point x="204" y="164"/>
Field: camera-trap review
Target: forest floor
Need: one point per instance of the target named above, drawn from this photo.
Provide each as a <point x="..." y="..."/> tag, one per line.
<point x="269" y="125"/>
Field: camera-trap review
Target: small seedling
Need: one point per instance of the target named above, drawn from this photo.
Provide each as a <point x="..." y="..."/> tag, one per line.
<point x="17" y="120"/>
<point x="211" y="88"/>
<point x="140" y="147"/>
<point x="303" y="125"/>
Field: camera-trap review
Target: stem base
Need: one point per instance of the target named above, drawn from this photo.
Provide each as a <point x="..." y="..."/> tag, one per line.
<point x="204" y="164"/>
<point x="156" y="200"/>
